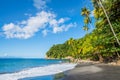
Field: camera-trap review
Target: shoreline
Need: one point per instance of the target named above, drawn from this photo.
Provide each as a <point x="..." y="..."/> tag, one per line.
<point x="93" y="71"/>
<point x="38" y="72"/>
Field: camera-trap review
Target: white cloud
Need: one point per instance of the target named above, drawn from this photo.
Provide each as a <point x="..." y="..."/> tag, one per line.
<point x="92" y="14"/>
<point x="63" y="27"/>
<point x="59" y="26"/>
<point x="61" y="20"/>
<point x="32" y="25"/>
<point x="40" y="4"/>
<point x="23" y="22"/>
<point x="27" y="28"/>
<point x="45" y="32"/>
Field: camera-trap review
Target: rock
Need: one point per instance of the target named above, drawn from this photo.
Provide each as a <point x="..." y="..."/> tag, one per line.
<point x="118" y="62"/>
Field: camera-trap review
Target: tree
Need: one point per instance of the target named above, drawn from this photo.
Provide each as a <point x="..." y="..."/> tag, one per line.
<point x="86" y="13"/>
<point x="111" y="27"/>
<point x="103" y="27"/>
<point x="100" y="44"/>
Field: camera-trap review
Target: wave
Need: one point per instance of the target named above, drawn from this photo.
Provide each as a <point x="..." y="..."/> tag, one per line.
<point x="38" y="71"/>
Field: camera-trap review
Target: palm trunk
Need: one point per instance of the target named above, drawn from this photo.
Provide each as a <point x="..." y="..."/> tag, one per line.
<point x="118" y="55"/>
<point x="109" y="22"/>
<point x="100" y="57"/>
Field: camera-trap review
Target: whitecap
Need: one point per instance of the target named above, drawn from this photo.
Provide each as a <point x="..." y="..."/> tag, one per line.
<point x="38" y="71"/>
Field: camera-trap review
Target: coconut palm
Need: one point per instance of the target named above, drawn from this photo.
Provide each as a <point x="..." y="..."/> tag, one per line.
<point x="70" y="41"/>
<point x="86" y="13"/>
<point x="111" y="27"/>
<point x="85" y="28"/>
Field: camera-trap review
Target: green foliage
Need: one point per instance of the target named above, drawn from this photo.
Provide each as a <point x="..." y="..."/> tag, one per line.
<point x="86" y="13"/>
<point x="100" y="44"/>
<point x="57" y="51"/>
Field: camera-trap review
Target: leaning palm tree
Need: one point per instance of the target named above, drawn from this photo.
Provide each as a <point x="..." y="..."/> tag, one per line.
<point x="111" y="27"/>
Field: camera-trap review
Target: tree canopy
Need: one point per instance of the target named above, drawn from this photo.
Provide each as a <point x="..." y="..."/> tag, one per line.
<point x="102" y="43"/>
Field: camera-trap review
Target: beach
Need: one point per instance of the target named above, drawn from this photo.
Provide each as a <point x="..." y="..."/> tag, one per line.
<point x="90" y="71"/>
<point x="32" y="69"/>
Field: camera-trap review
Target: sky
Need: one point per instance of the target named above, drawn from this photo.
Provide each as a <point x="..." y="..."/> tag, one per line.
<point x="28" y="28"/>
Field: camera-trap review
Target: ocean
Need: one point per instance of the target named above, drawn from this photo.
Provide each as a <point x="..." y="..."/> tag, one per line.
<point x="32" y="69"/>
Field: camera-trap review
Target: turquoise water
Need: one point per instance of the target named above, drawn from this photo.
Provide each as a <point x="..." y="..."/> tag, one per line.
<point x="32" y="69"/>
<point x="15" y="65"/>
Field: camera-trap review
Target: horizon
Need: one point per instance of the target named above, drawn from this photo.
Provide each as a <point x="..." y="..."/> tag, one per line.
<point x="28" y="28"/>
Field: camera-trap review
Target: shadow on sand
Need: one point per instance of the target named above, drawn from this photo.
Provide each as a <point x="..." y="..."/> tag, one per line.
<point x="93" y="72"/>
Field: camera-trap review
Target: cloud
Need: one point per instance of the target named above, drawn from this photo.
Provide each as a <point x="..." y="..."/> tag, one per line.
<point x="44" y="32"/>
<point x="42" y="20"/>
<point x="26" y="28"/>
<point x="92" y="14"/>
<point x="39" y="4"/>
<point x="59" y="26"/>
<point x="63" y="27"/>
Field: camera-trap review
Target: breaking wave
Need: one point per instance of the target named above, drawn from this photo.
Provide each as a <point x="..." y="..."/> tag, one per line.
<point x="38" y="71"/>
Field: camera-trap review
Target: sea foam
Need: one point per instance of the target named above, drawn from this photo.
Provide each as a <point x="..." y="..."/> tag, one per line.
<point x="38" y="71"/>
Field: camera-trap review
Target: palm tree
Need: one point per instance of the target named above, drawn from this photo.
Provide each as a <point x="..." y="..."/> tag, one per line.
<point x="70" y="41"/>
<point x="86" y="13"/>
<point x="72" y="47"/>
<point x="111" y="27"/>
<point x="85" y="28"/>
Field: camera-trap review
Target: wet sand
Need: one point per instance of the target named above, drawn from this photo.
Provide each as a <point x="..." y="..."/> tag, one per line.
<point x="89" y="71"/>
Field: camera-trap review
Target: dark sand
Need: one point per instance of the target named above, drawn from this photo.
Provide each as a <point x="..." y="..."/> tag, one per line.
<point x="89" y="71"/>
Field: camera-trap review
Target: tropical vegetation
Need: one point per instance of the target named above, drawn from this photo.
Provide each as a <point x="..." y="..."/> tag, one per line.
<point x="103" y="43"/>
